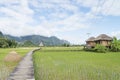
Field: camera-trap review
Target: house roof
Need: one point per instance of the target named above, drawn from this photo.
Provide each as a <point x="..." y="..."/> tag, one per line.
<point x="90" y="39"/>
<point x="103" y="37"/>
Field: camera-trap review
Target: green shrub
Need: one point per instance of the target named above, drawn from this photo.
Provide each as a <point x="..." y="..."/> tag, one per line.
<point x="115" y="45"/>
<point x="100" y="48"/>
<point x="66" y="45"/>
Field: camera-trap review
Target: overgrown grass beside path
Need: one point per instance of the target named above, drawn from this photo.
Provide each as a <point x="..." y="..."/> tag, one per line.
<point x="7" y="67"/>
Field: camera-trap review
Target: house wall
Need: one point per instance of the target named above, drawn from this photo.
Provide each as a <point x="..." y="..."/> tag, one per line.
<point x="91" y="43"/>
<point x="104" y="43"/>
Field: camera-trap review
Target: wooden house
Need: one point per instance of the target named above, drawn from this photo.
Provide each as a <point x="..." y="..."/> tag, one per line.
<point x="102" y="39"/>
<point x="90" y="42"/>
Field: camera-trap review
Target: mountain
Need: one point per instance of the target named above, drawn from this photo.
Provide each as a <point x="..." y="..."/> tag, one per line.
<point x="1" y="34"/>
<point x="37" y="39"/>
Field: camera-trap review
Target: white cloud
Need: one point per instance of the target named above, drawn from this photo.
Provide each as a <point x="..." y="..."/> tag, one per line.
<point x="47" y="17"/>
<point x="8" y="1"/>
<point x="88" y="3"/>
<point x="104" y="7"/>
<point x="116" y="34"/>
<point x="111" y="7"/>
<point x="71" y="23"/>
<point x="55" y="1"/>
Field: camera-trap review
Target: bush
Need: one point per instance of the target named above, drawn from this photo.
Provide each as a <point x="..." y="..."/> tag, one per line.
<point x="115" y="45"/>
<point x="66" y="45"/>
<point x="100" y="48"/>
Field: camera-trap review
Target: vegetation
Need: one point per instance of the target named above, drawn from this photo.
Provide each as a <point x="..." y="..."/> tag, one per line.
<point x="115" y="45"/>
<point x="6" y="43"/>
<point x="69" y="63"/>
<point x="66" y="45"/>
<point x="7" y="67"/>
<point x="36" y="39"/>
<point x="54" y="49"/>
<point x="100" y="48"/>
<point x="28" y="43"/>
<point x="1" y="34"/>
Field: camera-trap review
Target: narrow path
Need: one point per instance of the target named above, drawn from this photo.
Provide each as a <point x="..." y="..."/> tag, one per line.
<point x="24" y="70"/>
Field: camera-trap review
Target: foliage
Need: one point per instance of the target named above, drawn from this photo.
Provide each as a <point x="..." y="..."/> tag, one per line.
<point x="115" y="45"/>
<point x="5" y="43"/>
<point x="11" y="43"/>
<point x="28" y="43"/>
<point x="1" y="34"/>
<point x="66" y="45"/>
<point x="100" y="48"/>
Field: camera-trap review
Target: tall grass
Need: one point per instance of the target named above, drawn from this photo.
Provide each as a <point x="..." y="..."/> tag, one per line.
<point x="76" y="65"/>
<point x="7" y="67"/>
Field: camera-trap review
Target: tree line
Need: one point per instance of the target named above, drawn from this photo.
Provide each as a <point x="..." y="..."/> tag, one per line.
<point x="7" y="43"/>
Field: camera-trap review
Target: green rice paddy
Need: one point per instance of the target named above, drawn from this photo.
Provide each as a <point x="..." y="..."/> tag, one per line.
<point x="60" y="63"/>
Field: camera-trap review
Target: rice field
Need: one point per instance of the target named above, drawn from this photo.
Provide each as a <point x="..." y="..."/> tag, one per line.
<point x="59" y="63"/>
<point x="7" y="67"/>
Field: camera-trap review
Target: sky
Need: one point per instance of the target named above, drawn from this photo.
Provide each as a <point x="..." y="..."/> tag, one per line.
<point x="72" y="20"/>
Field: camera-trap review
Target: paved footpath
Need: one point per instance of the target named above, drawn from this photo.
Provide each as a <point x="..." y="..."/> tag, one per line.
<point x="24" y="70"/>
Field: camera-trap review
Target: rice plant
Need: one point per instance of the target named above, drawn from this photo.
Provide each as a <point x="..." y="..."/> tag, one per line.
<point x="76" y="65"/>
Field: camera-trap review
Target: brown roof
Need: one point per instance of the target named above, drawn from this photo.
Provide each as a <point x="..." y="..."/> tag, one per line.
<point x="103" y="37"/>
<point x="90" y="39"/>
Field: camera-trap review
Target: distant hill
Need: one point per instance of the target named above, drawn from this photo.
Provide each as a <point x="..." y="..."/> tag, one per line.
<point x="1" y="34"/>
<point x="37" y="39"/>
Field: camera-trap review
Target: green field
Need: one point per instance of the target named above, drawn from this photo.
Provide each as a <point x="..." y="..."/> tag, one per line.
<point x="7" y="67"/>
<point x="59" y="63"/>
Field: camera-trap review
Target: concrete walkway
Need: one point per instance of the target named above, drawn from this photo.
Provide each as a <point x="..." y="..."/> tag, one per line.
<point x="24" y="70"/>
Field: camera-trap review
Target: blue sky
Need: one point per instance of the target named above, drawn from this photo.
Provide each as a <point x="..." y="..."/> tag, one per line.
<point x="67" y="19"/>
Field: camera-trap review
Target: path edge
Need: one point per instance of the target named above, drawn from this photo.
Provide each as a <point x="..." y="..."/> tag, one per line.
<point x="32" y="51"/>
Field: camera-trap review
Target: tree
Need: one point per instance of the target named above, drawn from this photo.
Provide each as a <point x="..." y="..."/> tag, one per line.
<point x="66" y="45"/>
<point x="28" y="43"/>
<point x="1" y="34"/>
<point x="5" y="43"/>
<point x="115" y="45"/>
